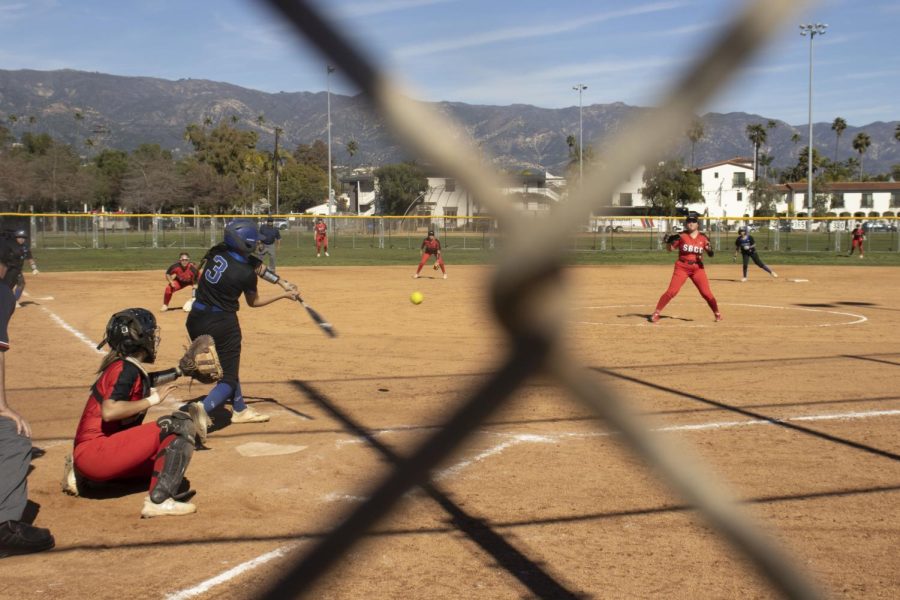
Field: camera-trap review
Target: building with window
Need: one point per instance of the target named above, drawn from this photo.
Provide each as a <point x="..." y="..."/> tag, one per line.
<point x="858" y="199"/>
<point x="725" y="186"/>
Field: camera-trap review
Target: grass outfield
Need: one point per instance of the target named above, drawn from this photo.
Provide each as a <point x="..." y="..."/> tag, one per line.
<point x="139" y="259"/>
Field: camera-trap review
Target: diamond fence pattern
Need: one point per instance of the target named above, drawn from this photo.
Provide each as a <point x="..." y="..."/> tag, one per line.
<point x="527" y="287"/>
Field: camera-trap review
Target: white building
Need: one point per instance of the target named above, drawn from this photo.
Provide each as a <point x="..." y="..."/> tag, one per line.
<point x="870" y="199"/>
<point x="725" y="186"/>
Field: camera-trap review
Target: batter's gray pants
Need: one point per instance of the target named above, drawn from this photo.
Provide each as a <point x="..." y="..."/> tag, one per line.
<point x="15" y="458"/>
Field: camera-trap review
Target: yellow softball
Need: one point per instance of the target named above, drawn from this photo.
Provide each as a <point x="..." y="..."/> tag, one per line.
<point x="416" y="297"/>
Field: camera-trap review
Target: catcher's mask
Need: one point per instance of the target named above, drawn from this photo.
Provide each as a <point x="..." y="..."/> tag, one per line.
<point x="20" y="233"/>
<point x="431" y="234"/>
<point x="241" y="235"/>
<point x="131" y="330"/>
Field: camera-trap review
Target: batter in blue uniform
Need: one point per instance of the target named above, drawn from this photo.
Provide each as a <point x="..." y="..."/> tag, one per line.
<point x="229" y="270"/>
<point x="747" y="247"/>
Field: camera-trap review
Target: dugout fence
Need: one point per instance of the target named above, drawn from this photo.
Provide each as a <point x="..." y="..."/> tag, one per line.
<point x="481" y="233"/>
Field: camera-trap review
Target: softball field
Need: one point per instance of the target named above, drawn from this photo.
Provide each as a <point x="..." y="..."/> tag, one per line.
<point x="793" y="400"/>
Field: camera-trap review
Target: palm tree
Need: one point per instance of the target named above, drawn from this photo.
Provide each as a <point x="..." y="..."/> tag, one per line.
<point x="861" y="143"/>
<point x="897" y="133"/>
<point x="207" y="121"/>
<point x="235" y="119"/>
<point x="695" y="134"/>
<point x="260" y="120"/>
<point x="838" y="127"/>
<point x="757" y="135"/>
<point x="352" y="148"/>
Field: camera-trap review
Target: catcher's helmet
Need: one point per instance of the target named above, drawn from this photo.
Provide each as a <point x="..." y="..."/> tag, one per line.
<point x="131" y="330"/>
<point x="742" y="230"/>
<point x="20" y="233"/>
<point x="241" y="235"/>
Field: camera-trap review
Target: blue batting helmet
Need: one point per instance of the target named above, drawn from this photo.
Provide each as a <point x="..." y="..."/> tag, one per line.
<point x="241" y="235"/>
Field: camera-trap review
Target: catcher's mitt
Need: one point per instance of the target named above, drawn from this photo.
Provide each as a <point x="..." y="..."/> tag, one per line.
<point x="201" y="361"/>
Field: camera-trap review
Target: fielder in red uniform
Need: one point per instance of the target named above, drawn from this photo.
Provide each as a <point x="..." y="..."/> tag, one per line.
<point x="431" y="246"/>
<point x="859" y="238"/>
<point x="321" y="237"/>
<point x="182" y="274"/>
<point x="691" y="244"/>
<point x="112" y="442"/>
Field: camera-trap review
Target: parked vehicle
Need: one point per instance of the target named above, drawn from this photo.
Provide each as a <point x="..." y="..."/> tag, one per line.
<point x="881" y="227"/>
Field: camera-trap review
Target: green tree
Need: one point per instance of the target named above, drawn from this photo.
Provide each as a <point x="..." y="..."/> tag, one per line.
<point x="695" y="133"/>
<point x="757" y="135"/>
<point x="315" y="155"/>
<point x="669" y="184"/>
<point x="111" y="167"/>
<point x="861" y="143"/>
<point x="303" y="186"/>
<point x="58" y="179"/>
<point x="897" y="133"/>
<point x="37" y="145"/>
<point x="352" y="148"/>
<point x="799" y="171"/>
<point x="763" y="198"/>
<point x="398" y="185"/>
<point x="838" y="126"/>
<point x="895" y="172"/>
<point x="224" y="148"/>
<point x="152" y="181"/>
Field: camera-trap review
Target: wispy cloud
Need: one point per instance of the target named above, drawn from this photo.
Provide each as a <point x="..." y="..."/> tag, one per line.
<point x="365" y="9"/>
<point x="873" y="74"/>
<point x="535" y="31"/>
<point x="14" y="11"/>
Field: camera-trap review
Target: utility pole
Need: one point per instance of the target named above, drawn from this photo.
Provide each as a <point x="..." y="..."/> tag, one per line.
<point x="812" y="29"/>
<point x="277" y="172"/>
<point x="580" y="88"/>
<point x="330" y="70"/>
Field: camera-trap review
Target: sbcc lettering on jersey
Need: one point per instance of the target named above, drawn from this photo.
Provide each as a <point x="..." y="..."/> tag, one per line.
<point x="692" y="249"/>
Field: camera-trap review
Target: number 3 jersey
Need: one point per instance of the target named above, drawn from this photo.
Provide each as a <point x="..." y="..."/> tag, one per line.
<point x="226" y="275"/>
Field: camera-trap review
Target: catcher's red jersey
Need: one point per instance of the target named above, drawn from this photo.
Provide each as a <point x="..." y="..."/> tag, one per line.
<point x="185" y="274"/>
<point x="691" y="249"/>
<point x="121" y="380"/>
<point x="431" y="246"/>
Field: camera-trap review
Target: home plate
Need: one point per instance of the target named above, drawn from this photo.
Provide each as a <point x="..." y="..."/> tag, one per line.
<point x="799" y="280"/>
<point x="266" y="449"/>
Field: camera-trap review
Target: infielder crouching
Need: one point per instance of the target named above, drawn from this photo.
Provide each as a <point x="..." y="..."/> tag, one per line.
<point x="180" y="275"/>
<point x="112" y="442"/>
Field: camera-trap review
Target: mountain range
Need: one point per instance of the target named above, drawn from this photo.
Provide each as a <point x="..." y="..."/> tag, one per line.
<point x="123" y="112"/>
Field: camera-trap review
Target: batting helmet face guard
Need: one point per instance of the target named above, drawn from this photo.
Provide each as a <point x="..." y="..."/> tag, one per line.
<point x="131" y="330"/>
<point x="241" y="235"/>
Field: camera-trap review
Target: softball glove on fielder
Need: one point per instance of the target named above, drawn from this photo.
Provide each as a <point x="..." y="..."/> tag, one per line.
<point x="201" y="361"/>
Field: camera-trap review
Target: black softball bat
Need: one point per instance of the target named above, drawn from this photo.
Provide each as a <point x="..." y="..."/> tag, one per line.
<point x="324" y="325"/>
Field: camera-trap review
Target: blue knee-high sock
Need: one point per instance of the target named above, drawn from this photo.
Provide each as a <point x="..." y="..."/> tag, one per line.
<point x="18" y="292"/>
<point x="239" y="403"/>
<point x="217" y="396"/>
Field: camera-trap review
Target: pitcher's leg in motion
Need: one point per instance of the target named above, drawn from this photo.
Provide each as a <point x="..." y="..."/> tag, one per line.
<point x="702" y="282"/>
<point x="678" y="278"/>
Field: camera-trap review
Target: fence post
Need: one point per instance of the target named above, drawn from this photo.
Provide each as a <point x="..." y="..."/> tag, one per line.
<point x="154" y="234"/>
<point x="32" y="225"/>
<point x="95" y="236"/>
<point x="212" y="231"/>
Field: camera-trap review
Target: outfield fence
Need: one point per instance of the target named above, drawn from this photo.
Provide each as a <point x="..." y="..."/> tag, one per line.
<point x="595" y="234"/>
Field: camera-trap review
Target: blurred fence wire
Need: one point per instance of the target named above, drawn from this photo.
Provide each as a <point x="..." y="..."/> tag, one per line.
<point x="527" y="291"/>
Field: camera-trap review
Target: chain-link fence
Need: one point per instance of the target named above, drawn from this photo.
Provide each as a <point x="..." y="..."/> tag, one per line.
<point x="596" y="234"/>
<point x="527" y="283"/>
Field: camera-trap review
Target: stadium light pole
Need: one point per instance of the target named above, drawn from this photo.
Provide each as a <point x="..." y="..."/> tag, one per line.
<point x="812" y="30"/>
<point x="330" y="70"/>
<point x="580" y="88"/>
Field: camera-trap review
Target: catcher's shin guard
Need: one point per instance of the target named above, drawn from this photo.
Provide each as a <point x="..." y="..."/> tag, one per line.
<point x="178" y="423"/>
<point x="169" y="468"/>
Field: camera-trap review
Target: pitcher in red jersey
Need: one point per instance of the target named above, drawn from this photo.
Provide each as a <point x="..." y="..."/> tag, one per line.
<point x="431" y="246"/>
<point x="690" y="244"/>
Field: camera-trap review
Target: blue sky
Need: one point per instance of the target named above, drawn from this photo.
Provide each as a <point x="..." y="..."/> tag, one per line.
<point x="476" y="51"/>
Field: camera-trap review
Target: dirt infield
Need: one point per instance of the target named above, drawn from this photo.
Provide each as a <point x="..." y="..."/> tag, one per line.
<point x="792" y="399"/>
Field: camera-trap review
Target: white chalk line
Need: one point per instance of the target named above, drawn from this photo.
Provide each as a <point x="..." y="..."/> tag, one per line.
<point x="643" y="323"/>
<point x="514" y="440"/>
<point x="39" y="298"/>
<point x="230" y="574"/>
<point x="62" y="323"/>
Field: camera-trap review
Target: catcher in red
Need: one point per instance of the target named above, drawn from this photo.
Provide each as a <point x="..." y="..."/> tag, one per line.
<point x="182" y="274"/>
<point x="113" y="443"/>
<point x="431" y="246"/>
<point x="690" y="244"/>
